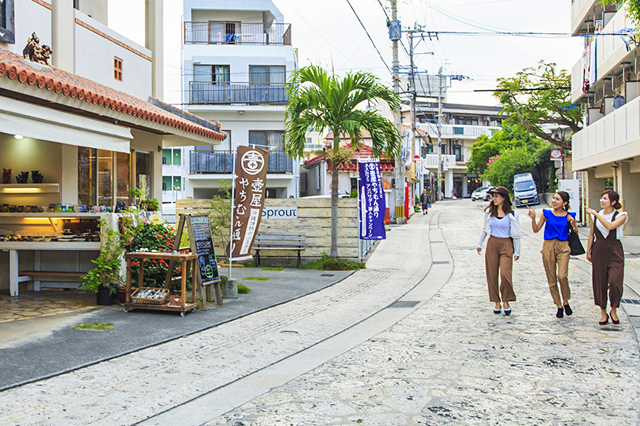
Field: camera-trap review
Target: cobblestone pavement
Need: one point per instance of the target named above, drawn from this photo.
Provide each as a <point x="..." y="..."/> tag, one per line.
<point x="44" y="303"/>
<point x="455" y="362"/>
<point x="131" y="388"/>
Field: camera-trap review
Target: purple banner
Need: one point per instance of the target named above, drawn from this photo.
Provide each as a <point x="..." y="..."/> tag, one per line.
<point x="372" y="203"/>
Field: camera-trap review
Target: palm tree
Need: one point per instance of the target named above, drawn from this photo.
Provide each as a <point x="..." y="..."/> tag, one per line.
<point x="318" y="101"/>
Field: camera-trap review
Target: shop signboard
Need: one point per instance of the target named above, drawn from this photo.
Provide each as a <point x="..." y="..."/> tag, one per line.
<point x="372" y="201"/>
<point x="250" y="184"/>
<point x="200" y="233"/>
<point x="280" y="213"/>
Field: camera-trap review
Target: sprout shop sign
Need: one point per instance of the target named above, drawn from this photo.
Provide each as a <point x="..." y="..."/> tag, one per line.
<point x="280" y="213"/>
<point x="250" y="186"/>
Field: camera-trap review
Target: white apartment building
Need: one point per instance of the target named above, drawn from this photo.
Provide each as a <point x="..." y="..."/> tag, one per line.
<point x="605" y="83"/>
<point x="237" y="56"/>
<point x="460" y="126"/>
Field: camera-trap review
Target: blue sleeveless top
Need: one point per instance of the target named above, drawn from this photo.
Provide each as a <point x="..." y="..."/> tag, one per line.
<point x="556" y="227"/>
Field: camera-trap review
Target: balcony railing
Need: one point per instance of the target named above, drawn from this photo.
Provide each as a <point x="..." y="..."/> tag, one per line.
<point x="431" y="161"/>
<point x="207" y="92"/>
<point x="221" y="162"/>
<point x="220" y="32"/>
<point x="459" y="130"/>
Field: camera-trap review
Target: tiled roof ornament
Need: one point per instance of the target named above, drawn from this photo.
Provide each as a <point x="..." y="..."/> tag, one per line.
<point x="36" y="53"/>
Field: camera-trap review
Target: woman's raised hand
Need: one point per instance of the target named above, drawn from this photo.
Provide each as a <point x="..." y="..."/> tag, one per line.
<point x="589" y="210"/>
<point x="531" y="213"/>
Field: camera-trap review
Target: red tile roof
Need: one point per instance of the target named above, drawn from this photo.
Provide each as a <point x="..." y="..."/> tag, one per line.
<point x="365" y="151"/>
<point x="15" y="67"/>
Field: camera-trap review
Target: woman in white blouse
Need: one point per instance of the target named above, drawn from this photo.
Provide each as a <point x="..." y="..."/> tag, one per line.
<point x="606" y="255"/>
<point x="502" y="226"/>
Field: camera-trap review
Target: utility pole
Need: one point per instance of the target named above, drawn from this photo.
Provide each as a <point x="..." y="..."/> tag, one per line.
<point x="439" y="181"/>
<point x="395" y="35"/>
<point x="412" y="82"/>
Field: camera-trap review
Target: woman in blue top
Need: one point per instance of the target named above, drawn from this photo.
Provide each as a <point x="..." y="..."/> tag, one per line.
<point x="555" y="250"/>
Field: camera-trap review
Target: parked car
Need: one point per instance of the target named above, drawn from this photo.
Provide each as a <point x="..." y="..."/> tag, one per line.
<point x="525" y="192"/>
<point x="481" y="193"/>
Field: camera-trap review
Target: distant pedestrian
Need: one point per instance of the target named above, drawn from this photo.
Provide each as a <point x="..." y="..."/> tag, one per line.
<point x="424" y="200"/>
<point x="606" y="255"/>
<point x="502" y="225"/>
<point x="555" y="250"/>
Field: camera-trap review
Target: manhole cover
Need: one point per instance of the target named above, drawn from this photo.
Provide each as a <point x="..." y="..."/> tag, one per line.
<point x="631" y="301"/>
<point x="327" y="275"/>
<point x="404" y="304"/>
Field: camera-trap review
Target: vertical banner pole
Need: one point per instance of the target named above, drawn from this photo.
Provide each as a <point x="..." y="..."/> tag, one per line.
<point x="234" y="153"/>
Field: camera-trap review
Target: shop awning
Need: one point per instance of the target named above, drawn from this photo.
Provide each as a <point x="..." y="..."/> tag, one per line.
<point x="38" y="122"/>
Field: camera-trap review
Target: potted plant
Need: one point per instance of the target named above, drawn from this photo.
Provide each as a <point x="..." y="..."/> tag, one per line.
<point x="135" y="195"/>
<point x="150" y="205"/>
<point x="105" y="277"/>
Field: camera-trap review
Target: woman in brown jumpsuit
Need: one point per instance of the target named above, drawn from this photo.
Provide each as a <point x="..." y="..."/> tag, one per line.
<point x="606" y="255"/>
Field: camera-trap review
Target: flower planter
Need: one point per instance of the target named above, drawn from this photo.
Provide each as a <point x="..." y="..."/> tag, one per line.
<point x="103" y="297"/>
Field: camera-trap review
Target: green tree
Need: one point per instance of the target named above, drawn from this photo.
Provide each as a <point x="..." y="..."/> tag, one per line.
<point x="509" y="163"/>
<point x="633" y="8"/>
<point x="540" y="95"/>
<point x="318" y="101"/>
<point x="506" y="138"/>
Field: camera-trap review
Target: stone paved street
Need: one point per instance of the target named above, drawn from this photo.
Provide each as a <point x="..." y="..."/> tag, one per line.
<point x="448" y="360"/>
<point x="455" y="362"/>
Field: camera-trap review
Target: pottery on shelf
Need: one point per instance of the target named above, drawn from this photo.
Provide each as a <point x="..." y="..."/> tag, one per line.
<point x="36" y="177"/>
<point x="22" y="177"/>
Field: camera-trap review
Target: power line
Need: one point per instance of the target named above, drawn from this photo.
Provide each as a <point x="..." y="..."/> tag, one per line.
<point x="524" y="33"/>
<point x="372" y="42"/>
<point x="532" y="89"/>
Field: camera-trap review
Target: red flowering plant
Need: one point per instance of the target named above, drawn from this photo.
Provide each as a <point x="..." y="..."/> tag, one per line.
<point x="152" y="237"/>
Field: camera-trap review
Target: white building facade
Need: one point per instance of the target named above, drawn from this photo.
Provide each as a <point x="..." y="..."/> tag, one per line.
<point x="237" y="57"/>
<point x="605" y="84"/>
<point x="460" y="126"/>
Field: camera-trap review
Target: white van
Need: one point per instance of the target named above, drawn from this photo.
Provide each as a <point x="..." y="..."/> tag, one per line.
<point x="525" y="192"/>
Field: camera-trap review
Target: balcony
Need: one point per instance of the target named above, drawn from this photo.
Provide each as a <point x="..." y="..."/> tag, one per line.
<point x="201" y="162"/>
<point x="614" y="137"/>
<point x="431" y="161"/>
<point x="237" y="33"/>
<point x="207" y="92"/>
<point x="458" y="131"/>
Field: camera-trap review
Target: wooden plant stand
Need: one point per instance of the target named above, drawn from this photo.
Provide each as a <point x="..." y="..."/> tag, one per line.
<point x="188" y="264"/>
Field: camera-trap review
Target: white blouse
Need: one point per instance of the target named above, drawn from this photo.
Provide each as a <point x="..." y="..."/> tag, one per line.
<point x="604" y="231"/>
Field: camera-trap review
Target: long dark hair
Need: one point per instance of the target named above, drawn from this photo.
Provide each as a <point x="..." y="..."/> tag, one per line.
<point x="565" y="197"/>
<point x="614" y="198"/>
<point x="506" y="207"/>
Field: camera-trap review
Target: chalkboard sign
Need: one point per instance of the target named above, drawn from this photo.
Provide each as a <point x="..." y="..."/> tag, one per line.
<point x="200" y="236"/>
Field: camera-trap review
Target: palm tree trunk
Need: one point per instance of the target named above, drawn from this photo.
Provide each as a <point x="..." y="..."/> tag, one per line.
<point x="334" y="200"/>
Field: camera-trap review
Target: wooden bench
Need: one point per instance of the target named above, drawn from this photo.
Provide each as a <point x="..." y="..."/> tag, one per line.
<point x="279" y="241"/>
<point x="35" y="277"/>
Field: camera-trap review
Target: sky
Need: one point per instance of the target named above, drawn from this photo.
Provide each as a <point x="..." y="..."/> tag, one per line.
<point x="328" y="33"/>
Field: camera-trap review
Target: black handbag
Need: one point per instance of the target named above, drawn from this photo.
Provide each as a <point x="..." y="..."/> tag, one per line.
<point x="574" y="243"/>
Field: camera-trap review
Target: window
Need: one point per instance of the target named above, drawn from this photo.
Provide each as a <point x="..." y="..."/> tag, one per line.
<point x="117" y="68"/>
<point x="469" y="121"/>
<point x="177" y="157"/>
<point x="267" y="74"/>
<point x="266" y="139"/>
<point x="223" y="32"/>
<point x="456" y="150"/>
<point x="166" y="156"/>
<point x="211" y="73"/>
<point x="177" y="183"/>
<point x="7" y="33"/>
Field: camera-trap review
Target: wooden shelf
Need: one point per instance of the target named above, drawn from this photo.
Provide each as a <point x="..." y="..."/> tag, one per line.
<point x="30" y="188"/>
<point x="51" y="245"/>
<point x="47" y="215"/>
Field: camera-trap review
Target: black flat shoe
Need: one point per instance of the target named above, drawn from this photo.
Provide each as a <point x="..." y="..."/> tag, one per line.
<point x="507" y="312"/>
<point x="497" y="311"/>
<point x="560" y="313"/>
<point x="567" y="309"/>
<point x="605" y="321"/>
